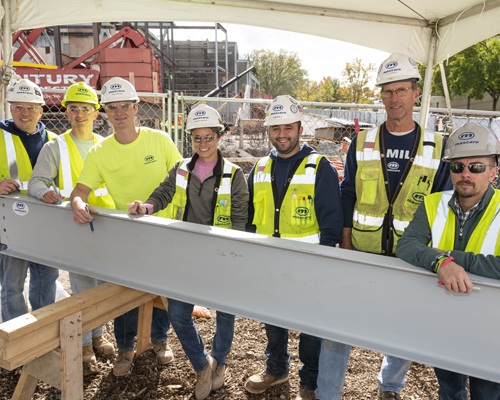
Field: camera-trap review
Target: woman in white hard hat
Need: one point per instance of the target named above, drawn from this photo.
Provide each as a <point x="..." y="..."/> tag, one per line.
<point x="208" y="190"/>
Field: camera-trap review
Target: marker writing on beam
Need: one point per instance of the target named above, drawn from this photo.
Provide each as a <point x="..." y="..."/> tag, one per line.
<point x="90" y="222"/>
<point x="17" y="189"/>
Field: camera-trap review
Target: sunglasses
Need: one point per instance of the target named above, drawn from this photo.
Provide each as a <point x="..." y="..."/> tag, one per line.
<point x="208" y="138"/>
<point x="475" y="168"/>
<point x="122" y="107"/>
<point x="83" y="109"/>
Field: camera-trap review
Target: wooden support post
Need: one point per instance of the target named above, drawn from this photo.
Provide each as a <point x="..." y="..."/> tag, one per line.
<point x="49" y="368"/>
<point x="71" y="345"/>
<point x="25" y="388"/>
<point x="144" y="327"/>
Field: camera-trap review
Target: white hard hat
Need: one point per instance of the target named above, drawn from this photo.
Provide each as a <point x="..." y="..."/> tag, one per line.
<point x="471" y="140"/>
<point x="25" y="91"/>
<point x="283" y="110"/>
<point x="118" y="89"/>
<point x="397" y="67"/>
<point x="203" y="116"/>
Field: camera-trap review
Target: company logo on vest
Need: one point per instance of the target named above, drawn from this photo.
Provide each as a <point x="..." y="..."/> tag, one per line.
<point x="302" y="211"/>
<point x="418" y="196"/>
<point x="223" y="219"/>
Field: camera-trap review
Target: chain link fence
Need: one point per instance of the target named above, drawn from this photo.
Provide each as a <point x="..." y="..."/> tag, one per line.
<point x="327" y="127"/>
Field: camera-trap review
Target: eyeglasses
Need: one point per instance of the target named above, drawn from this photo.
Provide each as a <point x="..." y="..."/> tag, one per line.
<point x="208" y="138"/>
<point x="401" y="92"/>
<point x="475" y="168"/>
<point x="20" y="108"/>
<point x="122" y="107"/>
<point x="83" y="109"/>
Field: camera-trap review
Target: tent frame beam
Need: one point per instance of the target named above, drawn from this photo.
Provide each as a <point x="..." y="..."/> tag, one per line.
<point x="480" y="8"/>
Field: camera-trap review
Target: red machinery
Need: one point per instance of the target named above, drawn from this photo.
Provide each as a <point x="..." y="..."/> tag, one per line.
<point x="130" y="58"/>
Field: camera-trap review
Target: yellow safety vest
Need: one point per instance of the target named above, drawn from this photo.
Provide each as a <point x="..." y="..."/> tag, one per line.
<point x="222" y="210"/>
<point x="15" y="163"/>
<point x="70" y="167"/>
<point x="377" y="220"/>
<point x="484" y="239"/>
<point x="293" y="217"/>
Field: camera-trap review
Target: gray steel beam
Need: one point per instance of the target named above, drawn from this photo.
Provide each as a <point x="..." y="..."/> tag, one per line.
<point x="374" y="302"/>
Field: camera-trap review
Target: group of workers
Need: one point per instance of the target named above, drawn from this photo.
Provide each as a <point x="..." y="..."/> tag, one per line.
<point x="402" y="184"/>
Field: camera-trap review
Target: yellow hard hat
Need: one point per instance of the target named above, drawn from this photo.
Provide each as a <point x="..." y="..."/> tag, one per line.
<point x="81" y="93"/>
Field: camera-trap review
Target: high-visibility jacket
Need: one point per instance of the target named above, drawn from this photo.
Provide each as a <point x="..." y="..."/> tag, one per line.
<point x="222" y="207"/>
<point x="293" y="216"/>
<point x="378" y="221"/>
<point x="15" y="163"/>
<point x="483" y="240"/>
<point x="70" y="167"/>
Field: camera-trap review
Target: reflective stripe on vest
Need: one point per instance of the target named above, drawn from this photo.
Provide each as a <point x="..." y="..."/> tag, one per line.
<point x="491" y="239"/>
<point x="372" y="204"/>
<point x="299" y="198"/>
<point x="441" y="216"/>
<point x="12" y="161"/>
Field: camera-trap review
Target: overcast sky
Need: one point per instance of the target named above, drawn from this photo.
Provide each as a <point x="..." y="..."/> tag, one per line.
<point x="321" y="57"/>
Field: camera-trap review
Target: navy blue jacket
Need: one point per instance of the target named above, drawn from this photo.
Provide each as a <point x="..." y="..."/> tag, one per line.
<point x="327" y="203"/>
<point x="397" y="150"/>
<point x="32" y="143"/>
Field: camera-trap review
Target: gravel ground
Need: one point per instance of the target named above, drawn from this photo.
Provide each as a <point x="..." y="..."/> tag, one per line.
<point x="150" y="380"/>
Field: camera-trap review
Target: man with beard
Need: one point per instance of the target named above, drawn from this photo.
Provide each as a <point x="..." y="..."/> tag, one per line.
<point x="462" y="227"/>
<point x="293" y="178"/>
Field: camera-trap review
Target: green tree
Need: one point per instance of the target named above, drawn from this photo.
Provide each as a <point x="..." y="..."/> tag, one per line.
<point x="308" y="91"/>
<point x="357" y="75"/>
<point x="329" y="90"/>
<point x="279" y="73"/>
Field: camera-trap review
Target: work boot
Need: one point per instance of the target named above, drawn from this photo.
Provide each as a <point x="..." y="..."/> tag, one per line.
<point x="88" y="355"/>
<point x="388" y="395"/>
<point x="103" y="346"/>
<point x="204" y="380"/>
<point x="163" y="352"/>
<point x="123" y="363"/>
<point x="306" y="394"/>
<point x="218" y="377"/>
<point x="259" y="383"/>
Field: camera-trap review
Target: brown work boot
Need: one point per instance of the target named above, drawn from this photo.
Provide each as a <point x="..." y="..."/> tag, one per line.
<point x="123" y="363"/>
<point x="163" y="352"/>
<point x="218" y="377"/>
<point x="306" y="394"/>
<point x="204" y="380"/>
<point x="259" y="383"/>
<point x="88" y="355"/>
<point x="102" y="346"/>
<point x="388" y="395"/>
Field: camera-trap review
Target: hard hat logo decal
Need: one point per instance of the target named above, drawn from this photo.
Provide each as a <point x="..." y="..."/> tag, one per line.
<point x="466" y="136"/>
<point x="294" y="108"/>
<point x="391" y="65"/>
<point x="24" y="88"/>
<point x="412" y="62"/>
<point x="294" y="101"/>
<point x="302" y="211"/>
<point x="418" y="197"/>
<point x="199" y="113"/>
<point x="83" y="90"/>
<point x="37" y="92"/>
<point x="277" y="107"/>
<point x="223" y="219"/>
<point x="115" y="86"/>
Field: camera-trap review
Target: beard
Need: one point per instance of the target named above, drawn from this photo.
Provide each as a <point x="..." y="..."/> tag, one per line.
<point x="287" y="147"/>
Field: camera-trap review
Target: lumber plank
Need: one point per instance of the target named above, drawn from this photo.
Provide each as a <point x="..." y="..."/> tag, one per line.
<point x="71" y="345"/>
<point x="144" y="327"/>
<point x="25" y="388"/>
<point x="48" y="368"/>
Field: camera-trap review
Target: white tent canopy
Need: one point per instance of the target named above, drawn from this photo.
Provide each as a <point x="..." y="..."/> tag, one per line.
<point x="395" y="26"/>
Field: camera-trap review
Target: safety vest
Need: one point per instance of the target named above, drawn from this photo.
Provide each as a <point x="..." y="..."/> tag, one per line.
<point x="377" y="221"/>
<point x="70" y="167"/>
<point x="293" y="216"/>
<point x="483" y="240"/>
<point x="15" y="163"/>
<point x="222" y="208"/>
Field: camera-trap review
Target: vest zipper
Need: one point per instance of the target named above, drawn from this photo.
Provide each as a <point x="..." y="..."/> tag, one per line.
<point x="461" y="233"/>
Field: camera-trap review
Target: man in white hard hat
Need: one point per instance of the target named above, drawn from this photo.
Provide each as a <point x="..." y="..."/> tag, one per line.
<point x="294" y="194"/>
<point x="462" y="225"/>
<point x="389" y="170"/>
<point x="21" y="139"/>
<point x="60" y="163"/>
<point x="132" y="163"/>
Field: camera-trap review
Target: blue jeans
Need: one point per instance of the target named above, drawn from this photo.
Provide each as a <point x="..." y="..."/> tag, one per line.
<point x="126" y="328"/>
<point x="191" y="341"/>
<point x="80" y="283"/>
<point x="42" y="291"/>
<point x="453" y="386"/>
<point x="391" y="377"/>
<point x="278" y="359"/>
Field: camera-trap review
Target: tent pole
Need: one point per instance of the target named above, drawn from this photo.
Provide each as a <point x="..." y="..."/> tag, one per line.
<point x="447" y="97"/>
<point x="426" y="92"/>
<point x="7" y="59"/>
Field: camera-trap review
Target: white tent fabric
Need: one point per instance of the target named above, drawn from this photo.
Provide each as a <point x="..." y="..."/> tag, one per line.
<point x="402" y="26"/>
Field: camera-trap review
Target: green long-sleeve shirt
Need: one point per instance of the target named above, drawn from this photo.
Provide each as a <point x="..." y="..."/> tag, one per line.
<point x="414" y="248"/>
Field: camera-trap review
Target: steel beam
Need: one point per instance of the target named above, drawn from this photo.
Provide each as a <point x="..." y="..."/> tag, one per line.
<point x="371" y="301"/>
